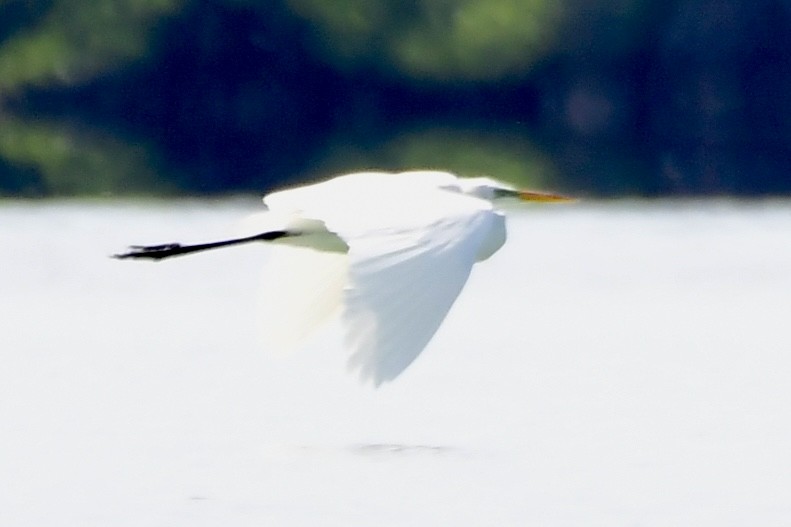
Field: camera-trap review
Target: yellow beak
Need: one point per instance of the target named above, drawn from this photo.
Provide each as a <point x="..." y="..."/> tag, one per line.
<point x="545" y="197"/>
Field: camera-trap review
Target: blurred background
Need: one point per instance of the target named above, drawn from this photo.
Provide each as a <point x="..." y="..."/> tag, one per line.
<point x="596" y="97"/>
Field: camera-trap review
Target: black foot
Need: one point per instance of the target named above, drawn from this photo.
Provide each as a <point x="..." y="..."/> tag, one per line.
<point x="152" y="252"/>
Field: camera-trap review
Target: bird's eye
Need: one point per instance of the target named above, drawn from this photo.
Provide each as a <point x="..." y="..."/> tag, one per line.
<point x="499" y="192"/>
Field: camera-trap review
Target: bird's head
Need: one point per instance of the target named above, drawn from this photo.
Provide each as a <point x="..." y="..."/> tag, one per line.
<point x="493" y="190"/>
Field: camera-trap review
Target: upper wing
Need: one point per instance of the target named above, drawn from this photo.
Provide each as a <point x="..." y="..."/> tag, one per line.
<point x="401" y="284"/>
<point x="351" y="193"/>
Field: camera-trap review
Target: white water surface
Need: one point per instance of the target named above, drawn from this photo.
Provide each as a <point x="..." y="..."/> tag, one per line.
<point x="616" y="364"/>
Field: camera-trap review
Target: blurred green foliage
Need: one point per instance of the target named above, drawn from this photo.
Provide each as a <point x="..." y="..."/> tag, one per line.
<point x="75" y="40"/>
<point x="69" y="161"/>
<point x="599" y="96"/>
<point x="443" y="40"/>
<point x="467" y="152"/>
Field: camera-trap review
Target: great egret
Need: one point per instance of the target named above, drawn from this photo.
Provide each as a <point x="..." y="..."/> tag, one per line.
<point x="389" y="251"/>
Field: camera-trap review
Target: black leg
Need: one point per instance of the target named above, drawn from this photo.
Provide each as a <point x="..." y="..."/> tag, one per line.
<point x="159" y="252"/>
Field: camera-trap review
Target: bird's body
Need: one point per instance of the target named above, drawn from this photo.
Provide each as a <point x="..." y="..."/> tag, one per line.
<point x="389" y="252"/>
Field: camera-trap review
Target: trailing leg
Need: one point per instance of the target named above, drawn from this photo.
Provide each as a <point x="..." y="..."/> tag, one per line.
<point x="160" y="252"/>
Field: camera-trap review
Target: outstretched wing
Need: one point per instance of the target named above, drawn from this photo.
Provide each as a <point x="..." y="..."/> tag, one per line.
<point x="402" y="282"/>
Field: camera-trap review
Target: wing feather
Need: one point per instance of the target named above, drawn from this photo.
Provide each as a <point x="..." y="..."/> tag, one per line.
<point x="401" y="286"/>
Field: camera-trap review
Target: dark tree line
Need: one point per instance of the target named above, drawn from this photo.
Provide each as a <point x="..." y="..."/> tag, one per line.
<point x="599" y="96"/>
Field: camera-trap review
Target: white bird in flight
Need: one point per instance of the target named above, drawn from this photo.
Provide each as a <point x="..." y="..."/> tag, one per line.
<point x="389" y="252"/>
